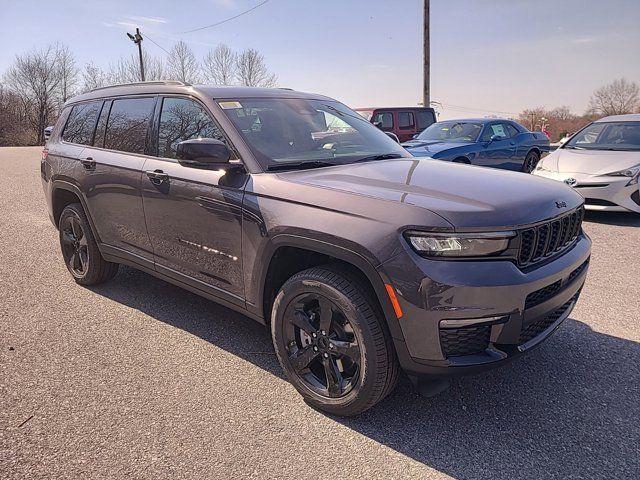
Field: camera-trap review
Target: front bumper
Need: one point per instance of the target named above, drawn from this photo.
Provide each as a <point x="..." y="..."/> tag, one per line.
<point x="502" y="311"/>
<point x="601" y="192"/>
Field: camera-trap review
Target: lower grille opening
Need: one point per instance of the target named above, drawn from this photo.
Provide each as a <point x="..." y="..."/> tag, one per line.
<point x="635" y="196"/>
<point x="577" y="272"/>
<point x="536" y="328"/>
<point x="464" y="341"/>
<point x="543" y="294"/>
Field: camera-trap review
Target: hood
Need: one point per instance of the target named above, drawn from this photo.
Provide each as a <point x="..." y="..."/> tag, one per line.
<point x="593" y="162"/>
<point x="431" y="147"/>
<point x="468" y="197"/>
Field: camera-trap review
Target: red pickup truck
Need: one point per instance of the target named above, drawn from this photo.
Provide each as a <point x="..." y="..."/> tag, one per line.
<point x="403" y="122"/>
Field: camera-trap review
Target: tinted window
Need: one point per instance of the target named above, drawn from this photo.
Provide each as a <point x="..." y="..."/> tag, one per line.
<point x="183" y="119"/>
<point x="81" y="123"/>
<point x="511" y="130"/>
<point x="385" y="119"/>
<point x="98" y="139"/>
<point x="405" y="120"/>
<point x="425" y="118"/>
<point x="128" y="123"/>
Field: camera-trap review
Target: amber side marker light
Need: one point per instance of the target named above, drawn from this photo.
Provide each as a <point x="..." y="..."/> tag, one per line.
<point x="394" y="300"/>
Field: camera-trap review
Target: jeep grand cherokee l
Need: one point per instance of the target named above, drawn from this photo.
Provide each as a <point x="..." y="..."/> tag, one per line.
<point x="296" y="211"/>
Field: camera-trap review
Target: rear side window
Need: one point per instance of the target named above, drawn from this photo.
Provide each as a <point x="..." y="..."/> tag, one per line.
<point x="81" y="123"/>
<point x="183" y="119"/>
<point x="405" y="120"/>
<point x="385" y="119"/>
<point x="128" y="124"/>
<point x="425" y="119"/>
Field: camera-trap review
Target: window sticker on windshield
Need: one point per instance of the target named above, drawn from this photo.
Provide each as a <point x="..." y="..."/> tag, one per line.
<point x="230" y="105"/>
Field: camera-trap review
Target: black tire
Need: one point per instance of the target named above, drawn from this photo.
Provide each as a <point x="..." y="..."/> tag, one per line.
<point x="365" y="329"/>
<point x="530" y="162"/>
<point x="80" y="250"/>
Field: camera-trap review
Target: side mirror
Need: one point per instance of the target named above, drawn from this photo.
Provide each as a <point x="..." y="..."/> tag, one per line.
<point x="203" y="152"/>
<point x="415" y="135"/>
<point x="378" y="125"/>
<point x="495" y="138"/>
<point x="393" y="136"/>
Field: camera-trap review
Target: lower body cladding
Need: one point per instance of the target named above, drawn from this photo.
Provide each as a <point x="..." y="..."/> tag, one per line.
<point x="604" y="193"/>
<point x="461" y="317"/>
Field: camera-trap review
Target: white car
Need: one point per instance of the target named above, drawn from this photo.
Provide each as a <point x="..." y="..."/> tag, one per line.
<point x="602" y="162"/>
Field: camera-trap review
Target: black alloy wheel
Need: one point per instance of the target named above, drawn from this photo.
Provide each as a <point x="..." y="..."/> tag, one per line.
<point x="332" y="340"/>
<point x="80" y="250"/>
<point x="321" y="345"/>
<point x="530" y="162"/>
<point x="74" y="246"/>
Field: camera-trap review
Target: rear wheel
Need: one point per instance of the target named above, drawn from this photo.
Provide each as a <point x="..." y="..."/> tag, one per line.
<point x="530" y="162"/>
<point x="80" y="250"/>
<point x="332" y="342"/>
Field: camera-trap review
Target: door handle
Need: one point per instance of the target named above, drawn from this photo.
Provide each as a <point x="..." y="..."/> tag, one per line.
<point x="157" y="176"/>
<point x="88" y="163"/>
<point x="513" y="143"/>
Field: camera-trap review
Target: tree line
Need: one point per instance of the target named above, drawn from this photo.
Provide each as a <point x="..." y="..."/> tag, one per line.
<point x="617" y="98"/>
<point x="38" y="83"/>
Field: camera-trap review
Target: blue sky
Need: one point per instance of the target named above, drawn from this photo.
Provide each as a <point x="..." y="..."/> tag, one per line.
<point x="488" y="56"/>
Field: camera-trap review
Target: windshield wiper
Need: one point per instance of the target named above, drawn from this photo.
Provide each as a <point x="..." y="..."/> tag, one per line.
<point x="382" y="156"/>
<point x="300" y="165"/>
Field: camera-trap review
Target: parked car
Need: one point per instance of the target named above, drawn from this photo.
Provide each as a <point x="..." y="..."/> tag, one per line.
<point x="488" y="142"/>
<point x="403" y="122"/>
<point x="602" y="162"/>
<point x="361" y="259"/>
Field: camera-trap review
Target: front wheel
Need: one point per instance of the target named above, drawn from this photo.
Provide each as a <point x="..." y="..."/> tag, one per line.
<point x="332" y="342"/>
<point x="530" y="162"/>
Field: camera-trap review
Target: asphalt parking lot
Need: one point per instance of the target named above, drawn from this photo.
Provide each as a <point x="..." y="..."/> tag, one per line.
<point x="139" y="379"/>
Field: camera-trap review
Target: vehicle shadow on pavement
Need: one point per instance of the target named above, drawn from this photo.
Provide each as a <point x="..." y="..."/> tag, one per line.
<point x="622" y="219"/>
<point x="568" y="410"/>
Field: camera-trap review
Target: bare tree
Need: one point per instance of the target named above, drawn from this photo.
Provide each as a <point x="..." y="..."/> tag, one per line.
<point x="252" y="70"/>
<point x="35" y="79"/>
<point x="14" y="125"/>
<point x="532" y="117"/>
<point x="617" y="98"/>
<point x="182" y="64"/>
<point x="562" y="113"/>
<point x="93" y="77"/>
<point x="219" y="65"/>
<point x="68" y="72"/>
<point x="127" y="69"/>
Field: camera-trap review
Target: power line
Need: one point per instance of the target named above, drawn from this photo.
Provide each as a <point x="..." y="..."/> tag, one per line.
<point x="156" y="44"/>
<point x="226" y="20"/>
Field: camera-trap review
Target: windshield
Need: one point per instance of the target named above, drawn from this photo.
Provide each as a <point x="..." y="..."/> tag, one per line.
<point x="452" y="132"/>
<point x="283" y="131"/>
<point x="607" y="136"/>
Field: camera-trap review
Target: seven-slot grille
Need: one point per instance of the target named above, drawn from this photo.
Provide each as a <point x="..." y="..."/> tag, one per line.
<point x="549" y="238"/>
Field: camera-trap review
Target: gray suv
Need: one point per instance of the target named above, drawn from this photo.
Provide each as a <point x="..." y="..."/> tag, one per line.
<point x="296" y="211"/>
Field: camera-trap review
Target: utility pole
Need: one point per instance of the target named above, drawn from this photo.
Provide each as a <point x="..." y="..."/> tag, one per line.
<point x="426" y="91"/>
<point x="137" y="39"/>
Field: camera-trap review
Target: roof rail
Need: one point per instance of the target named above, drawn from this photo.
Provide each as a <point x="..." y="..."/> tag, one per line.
<point x="150" y="82"/>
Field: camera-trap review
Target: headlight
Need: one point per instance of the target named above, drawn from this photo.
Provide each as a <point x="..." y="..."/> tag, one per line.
<point x="460" y="244"/>
<point x="629" y="172"/>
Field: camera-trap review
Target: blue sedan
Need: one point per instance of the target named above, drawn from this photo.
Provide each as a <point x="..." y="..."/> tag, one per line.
<point x="488" y="142"/>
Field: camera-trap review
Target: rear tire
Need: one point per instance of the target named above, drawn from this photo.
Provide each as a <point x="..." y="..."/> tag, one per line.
<point x="332" y="342"/>
<point x="80" y="250"/>
<point x="530" y="162"/>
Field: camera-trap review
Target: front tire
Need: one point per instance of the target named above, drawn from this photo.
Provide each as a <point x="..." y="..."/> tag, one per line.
<point x="80" y="250"/>
<point x="530" y="162"/>
<point x="332" y="342"/>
